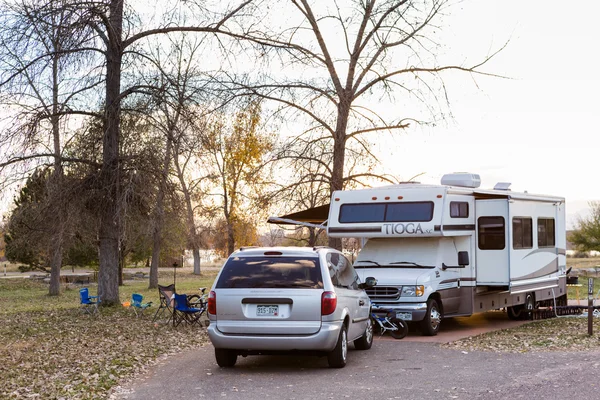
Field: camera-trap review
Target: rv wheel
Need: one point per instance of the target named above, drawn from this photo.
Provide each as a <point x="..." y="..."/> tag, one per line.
<point x="430" y="325"/>
<point x="529" y="305"/>
<point x="514" y="313"/>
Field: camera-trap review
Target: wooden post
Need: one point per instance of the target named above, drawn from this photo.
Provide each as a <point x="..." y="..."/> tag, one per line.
<point x="590" y="306"/>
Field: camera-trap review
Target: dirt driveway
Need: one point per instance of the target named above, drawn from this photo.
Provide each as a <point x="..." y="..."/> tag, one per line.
<point x="412" y="368"/>
<point x="390" y="370"/>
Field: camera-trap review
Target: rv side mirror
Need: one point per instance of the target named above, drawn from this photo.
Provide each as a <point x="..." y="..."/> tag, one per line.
<point x="463" y="258"/>
<point x="368" y="283"/>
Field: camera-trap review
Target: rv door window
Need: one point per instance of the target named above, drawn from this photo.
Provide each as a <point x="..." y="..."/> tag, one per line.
<point x="546" y="232"/>
<point x="522" y="233"/>
<point x="459" y="209"/>
<point x="421" y="211"/>
<point x="491" y="233"/>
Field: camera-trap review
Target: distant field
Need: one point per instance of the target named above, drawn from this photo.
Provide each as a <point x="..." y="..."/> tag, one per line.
<point x="583" y="263"/>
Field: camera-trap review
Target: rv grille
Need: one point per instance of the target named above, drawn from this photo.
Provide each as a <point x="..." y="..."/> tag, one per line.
<point x="383" y="293"/>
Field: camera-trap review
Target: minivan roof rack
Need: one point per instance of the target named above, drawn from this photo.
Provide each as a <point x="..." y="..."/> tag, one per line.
<point x="247" y="247"/>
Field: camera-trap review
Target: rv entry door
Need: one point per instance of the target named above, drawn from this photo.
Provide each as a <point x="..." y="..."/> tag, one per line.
<point x="492" y="242"/>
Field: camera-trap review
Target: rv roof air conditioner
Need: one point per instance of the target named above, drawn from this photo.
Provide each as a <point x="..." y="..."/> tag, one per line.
<point x="502" y="186"/>
<point x="462" y="179"/>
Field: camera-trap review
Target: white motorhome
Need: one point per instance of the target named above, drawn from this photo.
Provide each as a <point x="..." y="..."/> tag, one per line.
<point x="453" y="249"/>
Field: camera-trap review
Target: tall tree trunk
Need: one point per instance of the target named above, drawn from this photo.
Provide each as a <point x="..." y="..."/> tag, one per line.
<point x="230" y="237"/>
<point x="189" y="210"/>
<point x="56" y="181"/>
<point x="196" y="254"/>
<point x="339" y="150"/>
<point x="192" y="233"/>
<point x="108" y="279"/>
<point x="159" y="217"/>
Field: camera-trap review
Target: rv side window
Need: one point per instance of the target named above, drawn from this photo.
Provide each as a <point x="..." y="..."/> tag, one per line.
<point x="459" y="209"/>
<point x="491" y="233"/>
<point x="546" y="232"/>
<point x="522" y="233"/>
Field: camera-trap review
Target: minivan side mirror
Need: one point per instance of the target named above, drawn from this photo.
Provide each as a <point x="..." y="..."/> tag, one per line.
<point x="368" y="283"/>
<point x="463" y="258"/>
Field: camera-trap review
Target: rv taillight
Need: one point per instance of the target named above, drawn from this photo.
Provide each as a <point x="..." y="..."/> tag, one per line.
<point x="273" y="253"/>
<point x="212" y="303"/>
<point x="328" y="303"/>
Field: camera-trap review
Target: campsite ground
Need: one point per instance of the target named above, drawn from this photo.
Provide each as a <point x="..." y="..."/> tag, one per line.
<point x="51" y="350"/>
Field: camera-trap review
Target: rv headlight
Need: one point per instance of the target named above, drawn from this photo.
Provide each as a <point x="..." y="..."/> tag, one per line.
<point x="412" y="291"/>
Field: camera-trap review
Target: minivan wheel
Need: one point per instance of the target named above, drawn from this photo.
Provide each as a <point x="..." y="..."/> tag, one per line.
<point x="430" y="325"/>
<point x="337" y="357"/>
<point x="225" y="358"/>
<point x="366" y="340"/>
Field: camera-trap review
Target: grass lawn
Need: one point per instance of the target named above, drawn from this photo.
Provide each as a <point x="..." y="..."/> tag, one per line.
<point x="50" y="350"/>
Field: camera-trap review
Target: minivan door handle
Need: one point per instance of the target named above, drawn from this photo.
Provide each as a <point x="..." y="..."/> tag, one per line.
<point x="361" y="302"/>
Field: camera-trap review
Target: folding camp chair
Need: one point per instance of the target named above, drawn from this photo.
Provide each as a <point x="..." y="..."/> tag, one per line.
<point x="89" y="304"/>
<point x="167" y="302"/>
<point x="138" y="306"/>
<point x="183" y="312"/>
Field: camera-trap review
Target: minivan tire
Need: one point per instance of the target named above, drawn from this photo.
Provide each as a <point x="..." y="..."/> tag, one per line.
<point x="337" y="357"/>
<point x="225" y="358"/>
<point x="366" y="340"/>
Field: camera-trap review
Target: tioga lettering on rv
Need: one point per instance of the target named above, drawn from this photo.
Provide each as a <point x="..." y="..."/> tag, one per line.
<point x="399" y="229"/>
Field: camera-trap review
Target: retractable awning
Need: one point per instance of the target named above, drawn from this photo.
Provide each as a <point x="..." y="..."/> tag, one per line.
<point x="312" y="216"/>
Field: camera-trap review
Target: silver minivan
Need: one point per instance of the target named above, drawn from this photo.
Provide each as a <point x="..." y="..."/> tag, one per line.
<point x="272" y="300"/>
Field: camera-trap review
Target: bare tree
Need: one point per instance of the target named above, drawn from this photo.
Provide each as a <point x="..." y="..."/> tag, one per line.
<point x="237" y="151"/>
<point x="120" y="48"/>
<point x="182" y="122"/>
<point x="36" y="62"/>
<point x="333" y="60"/>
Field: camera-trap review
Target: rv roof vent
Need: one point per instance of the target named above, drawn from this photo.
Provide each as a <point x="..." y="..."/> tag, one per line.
<point x="502" y="186"/>
<point x="463" y="179"/>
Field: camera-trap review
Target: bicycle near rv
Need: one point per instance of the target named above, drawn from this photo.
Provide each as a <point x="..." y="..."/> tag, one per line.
<point x="440" y="251"/>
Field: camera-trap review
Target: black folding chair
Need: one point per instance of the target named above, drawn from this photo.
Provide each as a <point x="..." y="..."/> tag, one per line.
<point x="167" y="302"/>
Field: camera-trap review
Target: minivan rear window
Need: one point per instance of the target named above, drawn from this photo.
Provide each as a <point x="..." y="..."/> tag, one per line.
<point x="271" y="272"/>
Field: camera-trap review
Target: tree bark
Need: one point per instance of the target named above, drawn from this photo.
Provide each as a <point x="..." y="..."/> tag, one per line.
<point x="159" y="217"/>
<point x="56" y="181"/>
<point x="339" y="154"/>
<point x="108" y="280"/>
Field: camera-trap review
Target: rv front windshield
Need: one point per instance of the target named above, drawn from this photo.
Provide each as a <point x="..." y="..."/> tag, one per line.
<point x="403" y="253"/>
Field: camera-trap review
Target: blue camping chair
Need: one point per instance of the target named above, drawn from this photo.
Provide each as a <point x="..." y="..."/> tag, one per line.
<point x="183" y="312"/>
<point x="89" y="304"/>
<point x="138" y="306"/>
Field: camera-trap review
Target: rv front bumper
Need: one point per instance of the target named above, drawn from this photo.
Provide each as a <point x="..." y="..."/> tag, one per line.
<point x="405" y="311"/>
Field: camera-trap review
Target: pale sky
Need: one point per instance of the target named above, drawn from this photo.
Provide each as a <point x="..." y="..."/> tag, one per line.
<point x="538" y="130"/>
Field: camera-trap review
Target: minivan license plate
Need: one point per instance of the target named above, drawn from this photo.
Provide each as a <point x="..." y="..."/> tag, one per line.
<point x="404" y="315"/>
<point x="267" y="310"/>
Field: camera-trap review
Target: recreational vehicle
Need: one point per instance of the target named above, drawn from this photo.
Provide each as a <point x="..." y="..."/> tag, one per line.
<point x="440" y="251"/>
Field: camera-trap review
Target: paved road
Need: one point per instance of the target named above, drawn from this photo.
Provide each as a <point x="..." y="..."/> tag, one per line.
<point x="392" y="369"/>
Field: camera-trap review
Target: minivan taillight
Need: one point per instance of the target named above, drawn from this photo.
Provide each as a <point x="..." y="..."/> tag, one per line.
<point x="328" y="303"/>
<point x="212" y="303"/>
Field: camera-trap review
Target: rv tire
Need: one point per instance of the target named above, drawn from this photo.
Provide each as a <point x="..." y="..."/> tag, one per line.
<point x="430" y="325"/>
<point x="529" y="306"/>
<point x="515" y="312"/>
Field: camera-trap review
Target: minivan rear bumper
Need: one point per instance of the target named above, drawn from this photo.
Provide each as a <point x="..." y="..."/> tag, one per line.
<point x="324" y="340"/>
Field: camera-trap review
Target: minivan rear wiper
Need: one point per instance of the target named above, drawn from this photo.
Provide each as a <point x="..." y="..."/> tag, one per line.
<point x="412" y="264"/>
<point x="366" y="266"/>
